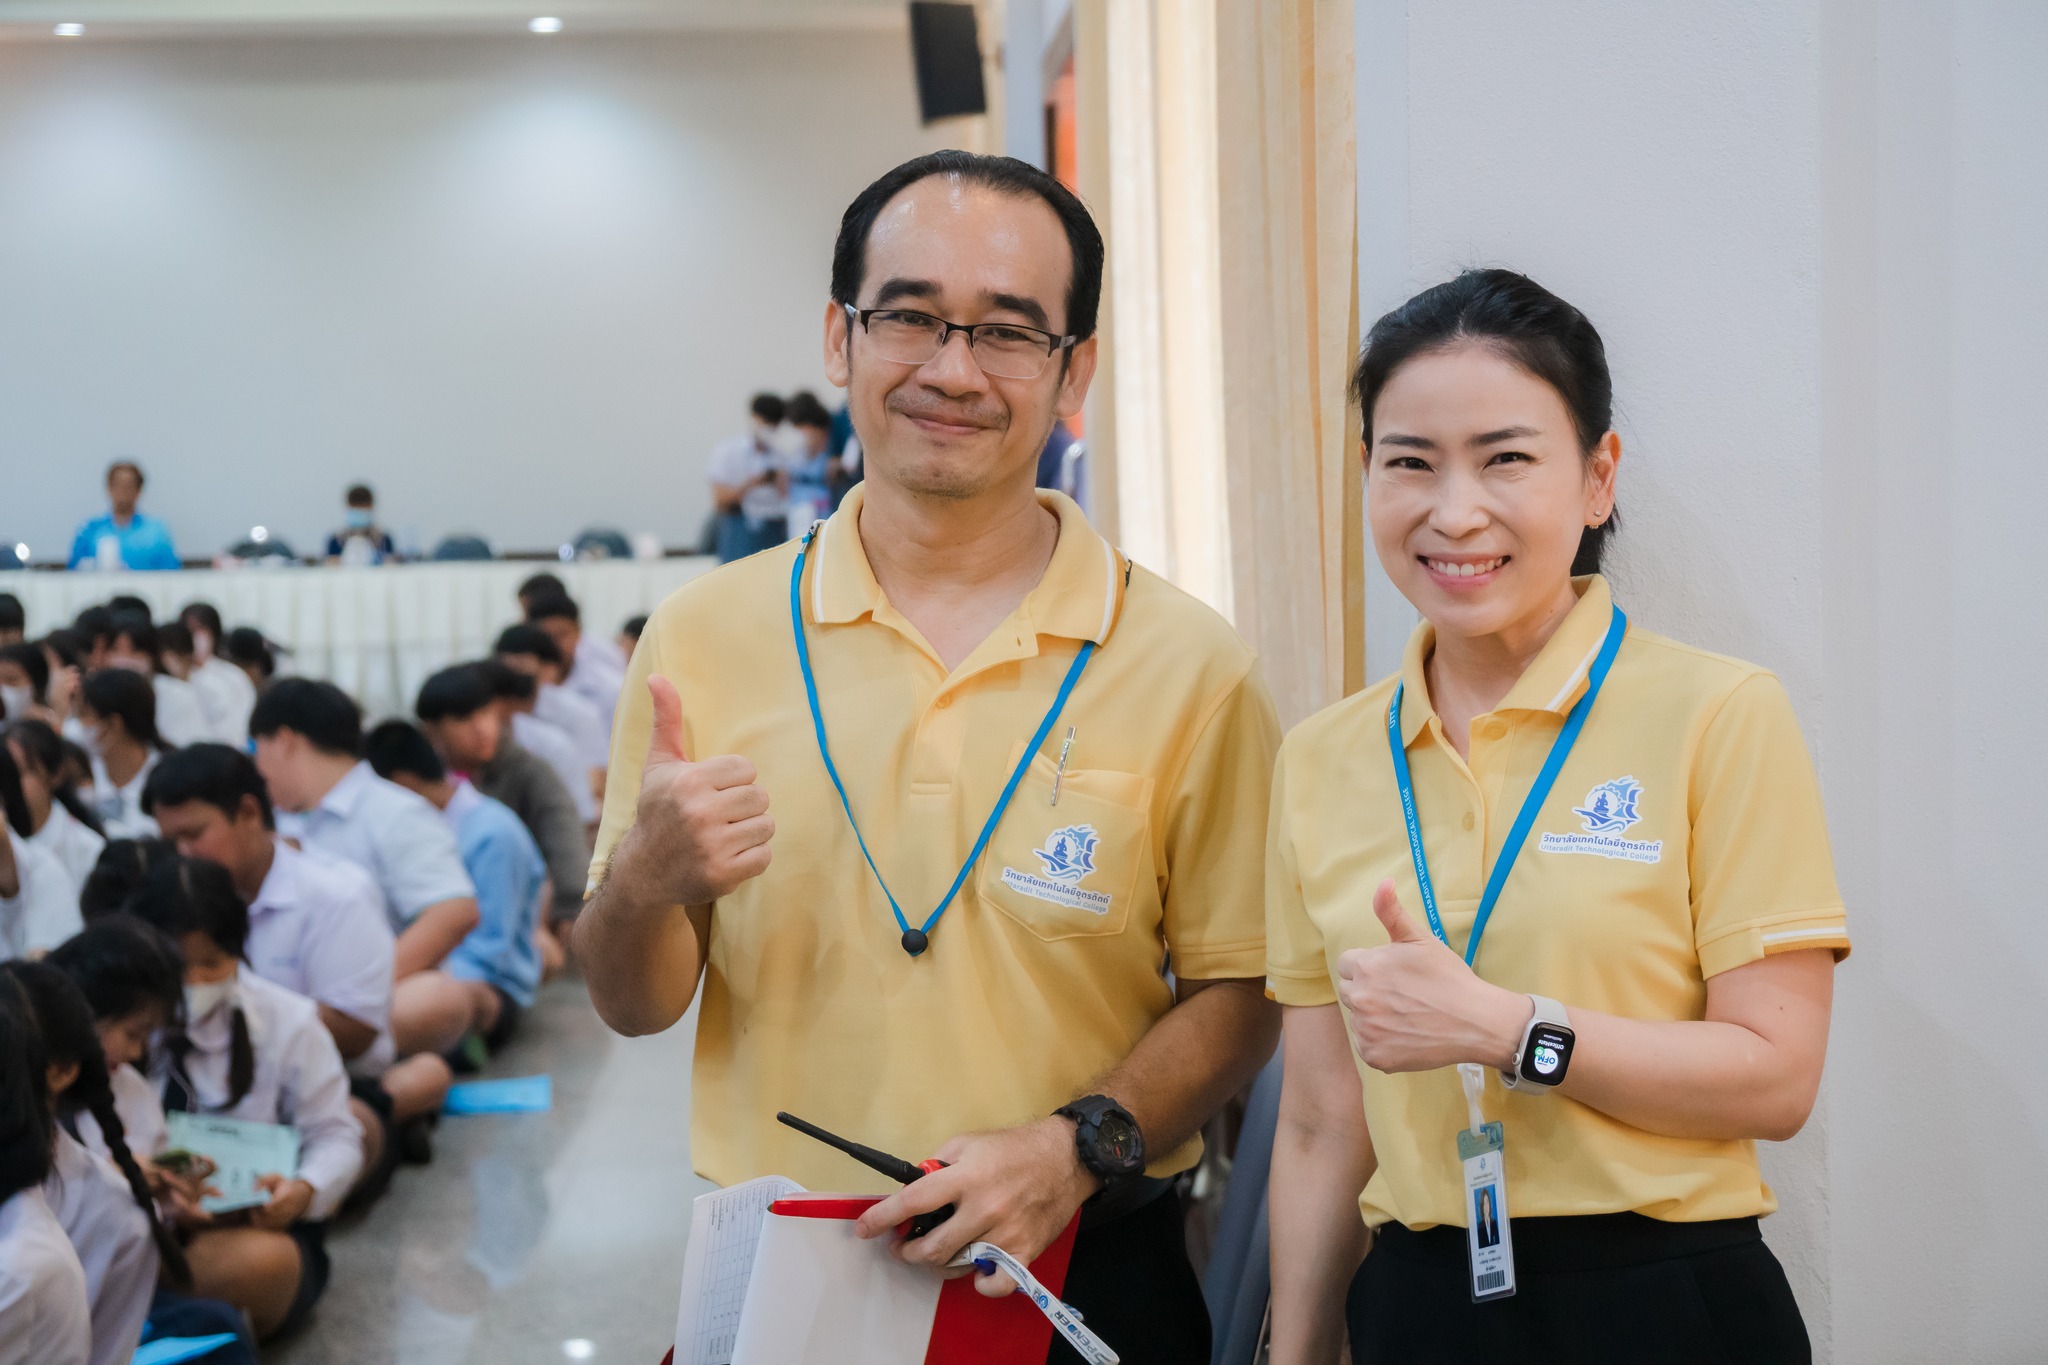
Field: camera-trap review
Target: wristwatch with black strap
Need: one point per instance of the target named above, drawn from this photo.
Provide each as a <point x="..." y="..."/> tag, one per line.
<point x="1106" y="1139"/>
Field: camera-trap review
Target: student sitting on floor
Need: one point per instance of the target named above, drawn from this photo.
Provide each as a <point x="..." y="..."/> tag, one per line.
<point x="118" y="711"/>
<point x="499" y="959"/>
<point x="58" y="815"/>
<point x="134" y="645"/>
<point x="309" y="744"/>
<point x="103" y="1202"/>
<point x="38" y="899"/>
<point x="519" y="701"/>
<point x="316" y="926"/>
<point x="253" y="1050"/>
<point x="45" y="1317"/>
<point x="458" y="708"/>
<point x="533" y="651"/>
<point x="133" y="981"/>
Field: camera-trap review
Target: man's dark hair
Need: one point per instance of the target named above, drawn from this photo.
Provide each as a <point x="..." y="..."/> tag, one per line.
<point x="543" y="585"/>
<point x="128" y="604"/>
<point x="635" y="626"/>
<point x="454" y="694"/>
<point x="397" y="746"/>
<point x="1004" y="175"/>
<point x="320" y="711"/>
<point x="30" y="659"/>
<point x="138" y="630"/>
<point x="68" y="645"/>
<point x="508" y="682"/>
<point x="129" y="465"/>
<point x="214" y="773"/>
<point x="806" y="411"/>
<point x="529" y="640"/>
<point x="560" y="607"/>
<point x="12" y="615"/>
<point x="1526" y="325"/>
<point x="247" y="646"/>
<point x="94" y="624"/>
<point x="172" y="637"/>
<point x="359" y="495"/>
<point x="769" y="408"/>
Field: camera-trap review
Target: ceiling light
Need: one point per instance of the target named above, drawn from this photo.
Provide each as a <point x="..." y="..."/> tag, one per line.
<point x="544" y="25"/>
<point x="71" y="30"/>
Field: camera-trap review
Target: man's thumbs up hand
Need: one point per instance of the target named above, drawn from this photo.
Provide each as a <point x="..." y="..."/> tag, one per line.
<point x="1413" y="1004"/>
<point x="706" y="824"/>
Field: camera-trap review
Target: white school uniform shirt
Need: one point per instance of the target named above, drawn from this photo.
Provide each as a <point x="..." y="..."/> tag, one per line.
<point x="395" y="835"/>
<point x="180" y="714"/>
<point x="43" y="912"/>
<point x="228" y="697"/>
<point x="598" y="685"/>
<point x="739" y="460"/>
<point x="582" y="719"/>
<point x="298" y="1080"/>
<point x="45" y="1318"/>
<point x="142" y="1117"/>
<point x="76" y="845"/>
<point x="110" y="1233"/>
<point x="317" y="927"/>
<point x="554" y="747"/>
<point x="120" y="807"/>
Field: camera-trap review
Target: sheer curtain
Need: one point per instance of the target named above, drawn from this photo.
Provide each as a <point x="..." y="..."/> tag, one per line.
<point x="1224" y="171"/>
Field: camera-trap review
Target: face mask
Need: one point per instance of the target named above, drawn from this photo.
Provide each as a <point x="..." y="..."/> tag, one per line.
<point x="15" y="701"/>
<point x="359" y="518"/>
<point x="202" y="645"/>
<point x="203" y="999"/>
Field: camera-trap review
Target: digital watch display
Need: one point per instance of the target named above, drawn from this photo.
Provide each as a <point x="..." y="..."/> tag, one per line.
<point x="1546" y="1051"/>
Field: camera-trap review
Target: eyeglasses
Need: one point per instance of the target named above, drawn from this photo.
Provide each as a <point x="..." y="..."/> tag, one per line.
<point x="1004" y="350"/>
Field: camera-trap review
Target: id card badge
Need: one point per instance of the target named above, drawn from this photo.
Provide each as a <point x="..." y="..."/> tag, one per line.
<point x="1489" y="1242"/>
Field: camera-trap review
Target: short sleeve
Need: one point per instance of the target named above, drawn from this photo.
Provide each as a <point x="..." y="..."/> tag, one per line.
<point x="1297" y="971"/>
<point x="1214" y="851"/>
<point x="348" y="963"/>
<point x="1763" y="878"/>
<point x="420" y="863"/>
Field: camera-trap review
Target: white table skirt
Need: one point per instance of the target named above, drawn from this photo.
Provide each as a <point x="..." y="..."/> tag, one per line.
<point x="376" y="632"/>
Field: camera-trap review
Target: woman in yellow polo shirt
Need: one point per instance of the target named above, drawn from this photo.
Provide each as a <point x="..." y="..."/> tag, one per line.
<point x="1555" y="850"/>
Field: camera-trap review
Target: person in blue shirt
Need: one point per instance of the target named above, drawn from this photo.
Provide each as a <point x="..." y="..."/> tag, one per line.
<point x="499" y="959"/>
<point x="124" y="538"/>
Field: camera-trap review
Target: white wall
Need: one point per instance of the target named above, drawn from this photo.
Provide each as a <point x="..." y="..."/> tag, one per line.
<point x="518" y="285"/>
<point x="1812" y="235"/>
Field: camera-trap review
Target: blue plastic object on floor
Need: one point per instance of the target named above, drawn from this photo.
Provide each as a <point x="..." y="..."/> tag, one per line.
<point x="509" y="1095"/>
<point x="171" y="1350"/>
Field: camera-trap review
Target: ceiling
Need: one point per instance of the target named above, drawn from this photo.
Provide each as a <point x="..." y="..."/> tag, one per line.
<point x="35" y="20"/>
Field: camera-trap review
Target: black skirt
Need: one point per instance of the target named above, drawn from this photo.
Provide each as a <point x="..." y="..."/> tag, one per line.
<point x="1609" y="1287"/>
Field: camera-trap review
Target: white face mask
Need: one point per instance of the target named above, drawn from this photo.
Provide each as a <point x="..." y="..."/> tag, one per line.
<point x="203" y="999"/>
<point x="16" y="700"/>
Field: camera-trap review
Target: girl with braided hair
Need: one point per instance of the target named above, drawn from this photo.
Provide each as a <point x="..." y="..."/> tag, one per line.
<point x="104" y="1203"/>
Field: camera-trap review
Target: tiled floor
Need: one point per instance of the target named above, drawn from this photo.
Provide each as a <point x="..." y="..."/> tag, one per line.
<point x="532" y="1238"/>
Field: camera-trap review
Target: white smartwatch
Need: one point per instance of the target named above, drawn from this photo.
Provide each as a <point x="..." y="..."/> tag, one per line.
<point x="1545" y="1054"/>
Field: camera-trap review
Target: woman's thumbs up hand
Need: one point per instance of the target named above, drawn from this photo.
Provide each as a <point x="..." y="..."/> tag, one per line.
<point x="1413" y="1004"/>
<point x="704" y="824"/>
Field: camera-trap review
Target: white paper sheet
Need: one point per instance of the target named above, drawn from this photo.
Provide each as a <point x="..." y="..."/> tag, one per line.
<point x="725" y="1228"/>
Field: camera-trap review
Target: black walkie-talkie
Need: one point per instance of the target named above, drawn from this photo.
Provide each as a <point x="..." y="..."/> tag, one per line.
<point x="895" y="1167"/>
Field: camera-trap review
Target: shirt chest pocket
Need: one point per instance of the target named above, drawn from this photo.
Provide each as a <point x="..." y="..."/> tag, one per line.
<point x="1077" y="868"/>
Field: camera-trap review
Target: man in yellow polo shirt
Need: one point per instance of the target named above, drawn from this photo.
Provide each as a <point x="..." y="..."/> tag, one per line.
<point x="1027" y="780"/>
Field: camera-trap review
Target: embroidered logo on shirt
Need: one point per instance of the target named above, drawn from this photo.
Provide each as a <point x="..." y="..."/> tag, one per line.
<point x="1068" y="856"/>
<point x="1610" y="809"/>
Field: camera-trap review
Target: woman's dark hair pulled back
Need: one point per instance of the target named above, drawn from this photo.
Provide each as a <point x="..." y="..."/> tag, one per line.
<point x="1528" y="325"/>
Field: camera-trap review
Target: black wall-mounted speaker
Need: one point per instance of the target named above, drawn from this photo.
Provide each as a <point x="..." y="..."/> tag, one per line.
<point x="945" y="44"/>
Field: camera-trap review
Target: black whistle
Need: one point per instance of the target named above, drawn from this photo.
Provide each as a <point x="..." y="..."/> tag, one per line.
<point x="895" y="1167"/>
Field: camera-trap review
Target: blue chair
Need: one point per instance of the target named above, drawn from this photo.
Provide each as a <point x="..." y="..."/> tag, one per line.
<point x="463" y="547"/>
<point x="603" y="542"/>
<point x="1239" y="1278"/>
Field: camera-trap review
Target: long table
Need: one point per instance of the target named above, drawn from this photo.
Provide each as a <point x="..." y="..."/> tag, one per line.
<point x="377" y="632"/>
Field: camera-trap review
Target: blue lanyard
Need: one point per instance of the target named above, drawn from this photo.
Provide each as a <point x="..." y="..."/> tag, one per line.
<point x="916" y="940"/>
<point x="1560" y="749"/>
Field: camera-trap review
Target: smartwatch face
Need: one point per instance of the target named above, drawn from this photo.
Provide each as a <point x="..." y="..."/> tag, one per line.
<point x="1549" y="1054"/>
<point x="1117" y="1140"/>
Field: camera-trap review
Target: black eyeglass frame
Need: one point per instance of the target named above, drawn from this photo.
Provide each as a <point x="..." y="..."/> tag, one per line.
<point x="1054" y="343"/>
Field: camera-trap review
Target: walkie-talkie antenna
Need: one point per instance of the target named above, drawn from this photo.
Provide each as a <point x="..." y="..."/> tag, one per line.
<point x="895" y="1167"/>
